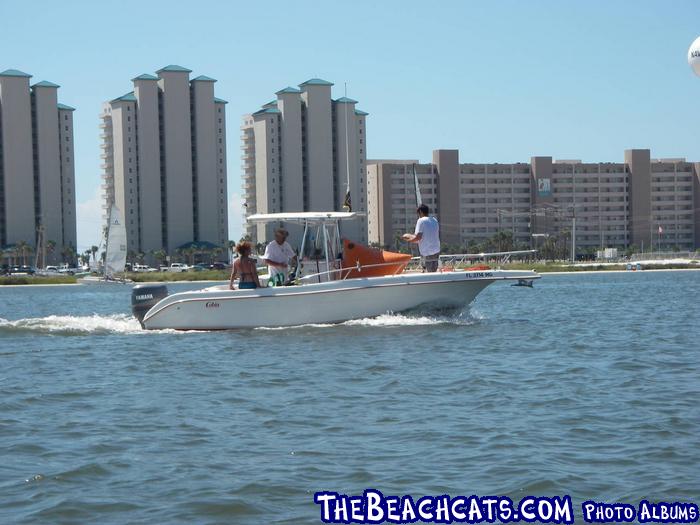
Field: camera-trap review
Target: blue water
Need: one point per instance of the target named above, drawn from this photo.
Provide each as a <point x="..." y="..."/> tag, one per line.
<point x="587" y="385"/>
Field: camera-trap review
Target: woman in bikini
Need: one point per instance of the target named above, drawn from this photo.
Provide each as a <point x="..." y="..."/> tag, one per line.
<point x="245" y="268"/>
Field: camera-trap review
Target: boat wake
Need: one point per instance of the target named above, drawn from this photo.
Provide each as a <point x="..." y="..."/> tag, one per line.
<point x="76" y="325"/>
<point x="388" y="320"/>
<point x="124" y="324"/>
<point x="407" y="319"/>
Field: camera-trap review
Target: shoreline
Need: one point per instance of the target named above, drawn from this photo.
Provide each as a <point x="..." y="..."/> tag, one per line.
<point x="220" y="281"/>
<point x="124" y="285"/>
<point x="588" y="272"/>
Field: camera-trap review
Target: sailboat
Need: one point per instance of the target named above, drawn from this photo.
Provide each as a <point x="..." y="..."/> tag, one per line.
<point x="115" y="252"/>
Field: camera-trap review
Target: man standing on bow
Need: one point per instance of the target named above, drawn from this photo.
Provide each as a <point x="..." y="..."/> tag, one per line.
<point x="427" y="236"/>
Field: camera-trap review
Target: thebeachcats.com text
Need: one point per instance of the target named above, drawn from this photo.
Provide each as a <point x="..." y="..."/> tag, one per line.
<point x="374" y="507"/>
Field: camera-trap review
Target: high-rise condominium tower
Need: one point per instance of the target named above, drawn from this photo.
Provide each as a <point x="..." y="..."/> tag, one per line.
<point x="37" y="178"/>
<point x="299" y="151"/>
<point x="164" y="151"/>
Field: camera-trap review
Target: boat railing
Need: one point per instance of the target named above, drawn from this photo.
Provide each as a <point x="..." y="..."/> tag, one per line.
<point x="343" y="273"/>
<point x="448" y="262"/>
<point x="460" y="259"/>
<point x="451" y="261"/>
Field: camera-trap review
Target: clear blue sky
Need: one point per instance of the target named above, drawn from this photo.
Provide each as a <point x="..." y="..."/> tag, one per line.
<point x="500" y="81"/>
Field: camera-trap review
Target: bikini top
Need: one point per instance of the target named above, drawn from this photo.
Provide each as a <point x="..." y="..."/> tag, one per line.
<point x="247" y="276"/>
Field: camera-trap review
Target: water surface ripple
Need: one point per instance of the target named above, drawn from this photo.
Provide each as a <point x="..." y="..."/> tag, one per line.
<point x="586" y="385"/>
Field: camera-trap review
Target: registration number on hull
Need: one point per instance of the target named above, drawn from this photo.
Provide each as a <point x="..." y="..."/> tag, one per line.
<point x="479" y="275"/>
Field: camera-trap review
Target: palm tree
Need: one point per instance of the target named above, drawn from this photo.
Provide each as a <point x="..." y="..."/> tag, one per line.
<point x="160" y="256"/>
<point x="501" y="241"/>
<point x="50" y="247"/>
<point x="190" y="252"/>
<point x="68" y="254"/>
<point x="216" y="253"/>
<point x="17" y="252"/>
<point x="23" y="250"/>
<point x="94" y="249"/>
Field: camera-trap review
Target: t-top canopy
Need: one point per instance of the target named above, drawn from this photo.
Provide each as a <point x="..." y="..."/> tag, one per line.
<point x="305" y="216"/>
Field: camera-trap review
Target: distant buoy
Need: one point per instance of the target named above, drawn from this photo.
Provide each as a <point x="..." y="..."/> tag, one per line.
<point x="694" y="56"/>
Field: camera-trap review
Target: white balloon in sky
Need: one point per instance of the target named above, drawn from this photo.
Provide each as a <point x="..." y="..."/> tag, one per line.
<point x="694" y="56"/>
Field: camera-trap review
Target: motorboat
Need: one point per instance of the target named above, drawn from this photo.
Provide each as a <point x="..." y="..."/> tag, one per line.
<point x="326" y="288"/>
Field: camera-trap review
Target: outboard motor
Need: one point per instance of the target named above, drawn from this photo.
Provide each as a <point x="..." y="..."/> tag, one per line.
<point x="144" y="297"/>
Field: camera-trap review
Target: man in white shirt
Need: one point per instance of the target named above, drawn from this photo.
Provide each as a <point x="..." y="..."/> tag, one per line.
<point x="278" y="255"/>
<point x="427" y="236"/>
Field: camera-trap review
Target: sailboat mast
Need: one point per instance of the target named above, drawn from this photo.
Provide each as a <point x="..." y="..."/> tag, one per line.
<point x="347" y="148"/>
<point x="109" y="225"/>
<point x="419" y="199"/>
<point x="347" y="202"/>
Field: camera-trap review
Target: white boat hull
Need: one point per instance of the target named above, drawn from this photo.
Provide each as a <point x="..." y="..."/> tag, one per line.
<point x="328" y="302"/>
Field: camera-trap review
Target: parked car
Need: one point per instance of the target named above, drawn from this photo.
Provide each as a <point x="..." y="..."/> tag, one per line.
<point x="22" y="270"/>
<point x="67" y="270"/>
<point x="219" y="266"/>
<point x="199" y="267"/>
<point x="143" y="268"/>
<point x="175" y="267"/>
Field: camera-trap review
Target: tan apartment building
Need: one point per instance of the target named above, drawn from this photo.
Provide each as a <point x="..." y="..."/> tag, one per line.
<point x="297" y="153"/>
<point x="164" y="161"/>
<point x="639" y="202"/>
<point x="593" y="197"/>
<point x="37" y="177"/>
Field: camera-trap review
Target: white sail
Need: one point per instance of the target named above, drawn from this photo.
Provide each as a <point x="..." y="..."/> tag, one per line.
<point x="116" y="243"/>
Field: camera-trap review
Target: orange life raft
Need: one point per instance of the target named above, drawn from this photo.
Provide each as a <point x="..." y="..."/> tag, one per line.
<point x="389" y="263"/>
